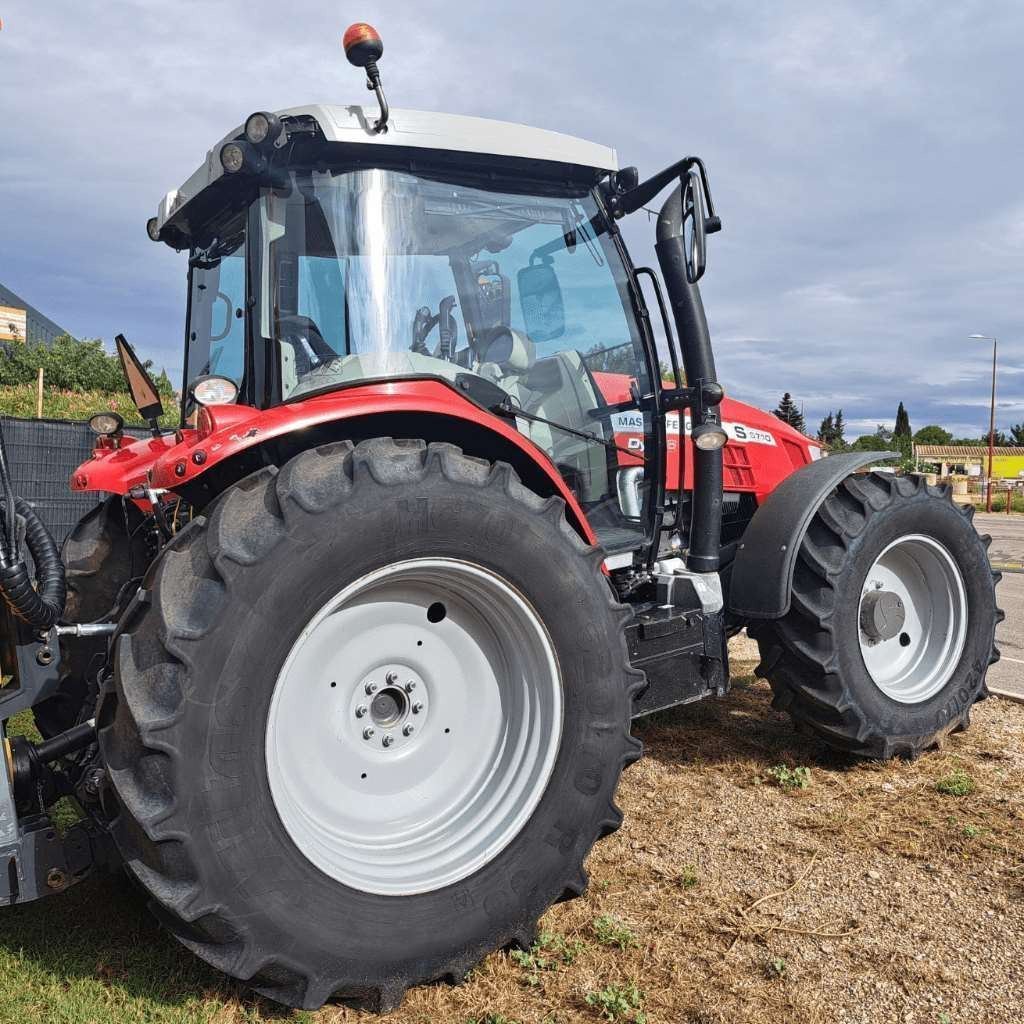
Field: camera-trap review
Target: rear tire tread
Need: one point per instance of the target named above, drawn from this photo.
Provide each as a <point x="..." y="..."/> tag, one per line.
<point x="192" y="583"/>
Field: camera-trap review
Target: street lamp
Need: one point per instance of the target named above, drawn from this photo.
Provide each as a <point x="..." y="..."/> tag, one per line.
<point x="991" y="419"/>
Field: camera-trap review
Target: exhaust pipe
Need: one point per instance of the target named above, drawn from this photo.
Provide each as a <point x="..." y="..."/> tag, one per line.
<point x="699" y="364"/>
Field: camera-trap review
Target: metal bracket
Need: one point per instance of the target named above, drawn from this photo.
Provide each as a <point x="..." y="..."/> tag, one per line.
<point x="708" y="585"/>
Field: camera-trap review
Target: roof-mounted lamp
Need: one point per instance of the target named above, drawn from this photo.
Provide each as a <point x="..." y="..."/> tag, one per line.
<point x="363" y="48"/>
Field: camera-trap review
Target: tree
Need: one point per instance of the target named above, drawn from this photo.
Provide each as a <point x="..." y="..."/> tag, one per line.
<point x="902" y="426"/>
<point x="789" y="413"/>
<point x="827" y="428"/>
<point x="1017" y="434"/>
<point x="70" y="365"/>
<point x="872" y="443"/>
<point x="933" y="434"/>
<point x="831" y="431"/>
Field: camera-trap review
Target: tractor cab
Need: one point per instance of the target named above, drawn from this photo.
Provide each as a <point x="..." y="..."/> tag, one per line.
<point x="324" y="257"/>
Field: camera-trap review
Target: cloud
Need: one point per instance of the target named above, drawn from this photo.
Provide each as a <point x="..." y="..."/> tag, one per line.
<point x="865" y="158"/>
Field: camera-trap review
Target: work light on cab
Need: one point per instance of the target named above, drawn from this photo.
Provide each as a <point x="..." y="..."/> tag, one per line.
<point x="240" y="156"/>
<point x="262" y="129"/>
<point x="153" y="229"/>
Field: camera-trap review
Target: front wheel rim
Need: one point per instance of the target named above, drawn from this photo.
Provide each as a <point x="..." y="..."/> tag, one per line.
<point x="414" y="726"/>
<point x="916" y="662"/>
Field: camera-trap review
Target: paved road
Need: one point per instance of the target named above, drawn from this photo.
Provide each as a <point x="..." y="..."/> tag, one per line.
<point x="1007" y="554"/>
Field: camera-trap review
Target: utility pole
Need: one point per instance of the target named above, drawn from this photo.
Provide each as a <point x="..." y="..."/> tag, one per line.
<point x="991" y="421"/>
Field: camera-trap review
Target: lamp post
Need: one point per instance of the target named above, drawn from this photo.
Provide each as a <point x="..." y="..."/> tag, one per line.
<point x="991" y="419"/>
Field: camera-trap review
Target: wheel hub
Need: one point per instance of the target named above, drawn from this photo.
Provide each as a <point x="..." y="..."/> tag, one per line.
<point x="882" y="615"/>
<point x="912" y="619"/>
<point x="414" y="726"/>
<point x="389" y="707"/>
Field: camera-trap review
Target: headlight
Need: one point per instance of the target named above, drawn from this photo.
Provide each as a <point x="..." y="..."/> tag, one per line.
<point x="214" y="391"/>
<point x="106" y="423"/>
<point x="232" y="157"/>
<point x="262" y="128"/>
<point x="709" y="437"/>
<point x="153" y="229"/>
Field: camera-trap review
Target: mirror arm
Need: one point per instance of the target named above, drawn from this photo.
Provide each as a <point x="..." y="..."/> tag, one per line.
<point x="628" y="202"/>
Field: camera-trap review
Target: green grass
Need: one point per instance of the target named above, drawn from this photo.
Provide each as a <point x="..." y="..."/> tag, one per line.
<point x="957" y="783"/>
<point x="96" y="955"/>
<point x="790" y="778"/>
<point x="619" y="1002"/>
<point x="20" y="400"/>
<point x="610" y="931"/>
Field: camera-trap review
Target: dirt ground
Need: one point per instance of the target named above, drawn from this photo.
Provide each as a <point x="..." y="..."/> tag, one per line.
<point x="869" y="895"/>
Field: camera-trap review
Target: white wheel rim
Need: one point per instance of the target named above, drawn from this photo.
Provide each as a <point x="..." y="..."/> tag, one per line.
<point x="473" y="740"/>
<point x="916" y="663"/>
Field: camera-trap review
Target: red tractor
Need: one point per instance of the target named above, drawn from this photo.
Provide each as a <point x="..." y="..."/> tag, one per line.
<point x="342" y="669"/>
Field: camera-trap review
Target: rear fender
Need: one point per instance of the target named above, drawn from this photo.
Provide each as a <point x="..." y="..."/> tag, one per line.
<point x="762" y="573"/>
<point x="232" y="441"/>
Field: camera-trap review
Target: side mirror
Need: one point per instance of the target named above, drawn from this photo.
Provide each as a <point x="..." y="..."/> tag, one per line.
<point x="140" y="384"/>
<point x="540" y="297"/>
<point x="694" y="227"/>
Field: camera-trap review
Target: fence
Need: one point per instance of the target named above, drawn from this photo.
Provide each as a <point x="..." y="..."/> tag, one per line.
<point x="43" y="454"/>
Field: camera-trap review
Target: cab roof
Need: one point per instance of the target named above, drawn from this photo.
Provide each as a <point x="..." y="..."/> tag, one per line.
<point x="414" y="129"/>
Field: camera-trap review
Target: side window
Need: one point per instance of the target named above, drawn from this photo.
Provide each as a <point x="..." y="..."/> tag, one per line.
<point x="217" y="328"/>
<point x="227" y="328"/>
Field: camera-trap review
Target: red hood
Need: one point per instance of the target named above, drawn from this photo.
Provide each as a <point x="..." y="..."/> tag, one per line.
<point x="761" y="452"/>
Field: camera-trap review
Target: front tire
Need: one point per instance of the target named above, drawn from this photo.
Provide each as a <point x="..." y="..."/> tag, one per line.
<point x="235" y="741"/>
<point x="891" y="627"/>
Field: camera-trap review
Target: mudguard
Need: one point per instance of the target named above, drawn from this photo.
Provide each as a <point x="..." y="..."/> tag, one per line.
<point x="762" y="573"/>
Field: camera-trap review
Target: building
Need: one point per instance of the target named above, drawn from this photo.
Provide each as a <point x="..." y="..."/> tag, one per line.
<point x="21" y="322"/>
<point x="971" y="460"/>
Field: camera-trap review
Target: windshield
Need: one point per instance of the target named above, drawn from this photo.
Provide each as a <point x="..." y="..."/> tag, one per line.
<point x="370" y="274"/>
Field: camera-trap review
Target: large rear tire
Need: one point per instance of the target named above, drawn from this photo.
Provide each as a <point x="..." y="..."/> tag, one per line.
<point x="244" y="683"/>
<point x="891" y="627"/>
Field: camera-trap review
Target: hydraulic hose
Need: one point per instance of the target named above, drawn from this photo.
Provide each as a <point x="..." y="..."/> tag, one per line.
<point x="42" y="607"/>
<point x="38" y="605"/>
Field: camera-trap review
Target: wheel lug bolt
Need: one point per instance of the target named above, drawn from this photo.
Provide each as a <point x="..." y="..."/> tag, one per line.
<point x="368" y="733"/>
<point x="410" y="686"/>
<point x="388" y="740"/>
<point x="408" y="730"/>
<point x="392" y="678"/>
<point x="360" y="711"/>
<point x="370" y="687"/>
<point x="417" y="707"/>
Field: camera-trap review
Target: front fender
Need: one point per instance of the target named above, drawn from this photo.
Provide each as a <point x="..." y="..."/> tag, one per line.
<point x="762" y="573"/>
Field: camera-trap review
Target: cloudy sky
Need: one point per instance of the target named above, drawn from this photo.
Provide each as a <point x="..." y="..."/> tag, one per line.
<point x="867" y="160"/>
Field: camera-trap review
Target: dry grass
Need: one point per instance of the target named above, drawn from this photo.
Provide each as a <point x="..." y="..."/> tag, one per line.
<point x="868" y="896"/>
